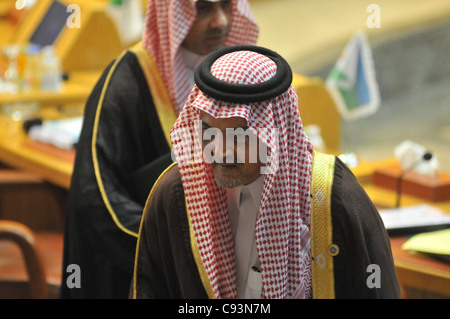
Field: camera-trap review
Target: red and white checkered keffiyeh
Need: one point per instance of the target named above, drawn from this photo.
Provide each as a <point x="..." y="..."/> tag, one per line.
<point x="167" y="23"/>
<point x="282" y="229"/>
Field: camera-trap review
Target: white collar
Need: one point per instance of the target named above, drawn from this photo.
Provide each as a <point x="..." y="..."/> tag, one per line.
<point x="255" y="188"/>
<point x="191" y="59"/>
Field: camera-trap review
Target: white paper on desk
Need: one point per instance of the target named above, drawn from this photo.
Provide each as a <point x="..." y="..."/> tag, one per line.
<point x="413" y="216"/>
<point x="61" y="133"/>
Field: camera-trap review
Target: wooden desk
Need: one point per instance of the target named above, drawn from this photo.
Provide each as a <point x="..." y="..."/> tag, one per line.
<point x="420" y="276"/>
<point x="48" y="162"/>
<point x="75" y="90"/>
<point x="384" y="197"/>
<point x="16" y="150"/>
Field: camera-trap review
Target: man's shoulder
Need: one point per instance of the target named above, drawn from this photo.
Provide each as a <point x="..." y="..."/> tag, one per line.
<point x="350" y="204"/>
<point x="126" y="63"/>
<point x="168" y="182"/>
<point x="166" y="198"/>
<point x="347" y="197"/>
<point x="346" y="187"/>
<point x="171" y="174"/>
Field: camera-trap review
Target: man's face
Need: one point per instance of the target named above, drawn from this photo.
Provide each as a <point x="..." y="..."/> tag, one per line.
<point x="211" y="27"/>
<point x="233" y="161"/>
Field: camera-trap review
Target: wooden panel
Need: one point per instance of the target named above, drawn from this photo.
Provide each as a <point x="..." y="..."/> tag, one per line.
<point x="28" y="199"/>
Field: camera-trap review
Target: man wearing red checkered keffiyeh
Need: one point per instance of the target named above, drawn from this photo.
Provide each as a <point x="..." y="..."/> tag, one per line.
<point x="125" y="140"/>
<point x="173" y="21"/>
<point x="265" y="249"/>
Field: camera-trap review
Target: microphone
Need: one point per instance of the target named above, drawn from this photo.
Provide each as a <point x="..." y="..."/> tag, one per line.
<point x="425" y="157"/>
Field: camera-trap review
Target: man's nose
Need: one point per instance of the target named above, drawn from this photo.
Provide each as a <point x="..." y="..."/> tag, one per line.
<point x="219" y="19"/>
<point x="224" y="153"/>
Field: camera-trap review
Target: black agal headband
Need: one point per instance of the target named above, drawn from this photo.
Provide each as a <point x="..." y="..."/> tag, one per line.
<point x="243" y="93"/>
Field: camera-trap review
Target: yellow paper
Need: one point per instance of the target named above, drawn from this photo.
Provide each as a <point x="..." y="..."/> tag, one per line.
<point x="436" y="242"/>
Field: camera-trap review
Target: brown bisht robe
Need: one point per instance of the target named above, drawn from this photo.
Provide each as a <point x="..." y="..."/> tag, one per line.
<point x="167" y="260"/>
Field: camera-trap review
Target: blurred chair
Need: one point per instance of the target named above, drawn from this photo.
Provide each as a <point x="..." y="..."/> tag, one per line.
<point x="13" y="288"/>
<point x="31" y="235"/>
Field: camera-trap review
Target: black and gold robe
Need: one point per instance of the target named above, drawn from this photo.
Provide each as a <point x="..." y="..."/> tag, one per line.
<point x="127" y="121"/>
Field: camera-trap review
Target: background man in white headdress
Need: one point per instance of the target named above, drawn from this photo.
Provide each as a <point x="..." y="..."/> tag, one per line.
<point x="293" y="223"/>
<point x="125" y="135"/>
